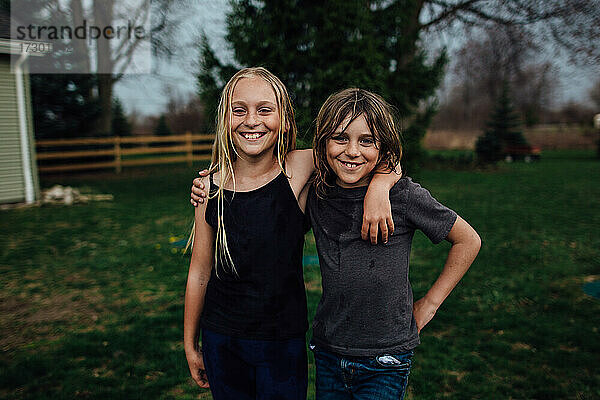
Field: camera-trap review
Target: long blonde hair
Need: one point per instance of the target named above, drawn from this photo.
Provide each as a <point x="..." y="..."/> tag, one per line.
<point x="224" y="153"/>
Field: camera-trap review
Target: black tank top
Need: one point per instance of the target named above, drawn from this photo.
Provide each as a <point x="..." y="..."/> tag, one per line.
<point x="265" y="233"/>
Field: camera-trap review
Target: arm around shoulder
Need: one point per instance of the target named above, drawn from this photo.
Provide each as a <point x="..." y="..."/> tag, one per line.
<point x="300" y="167"/>
<point x="301" y="162"/>
<point x="377" y="213"/>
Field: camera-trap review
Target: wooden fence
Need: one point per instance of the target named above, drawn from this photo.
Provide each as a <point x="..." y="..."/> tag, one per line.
<point x="59" y="155"/>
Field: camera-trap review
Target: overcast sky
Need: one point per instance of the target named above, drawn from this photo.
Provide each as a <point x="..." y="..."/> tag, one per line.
<point x="148" y="94"/>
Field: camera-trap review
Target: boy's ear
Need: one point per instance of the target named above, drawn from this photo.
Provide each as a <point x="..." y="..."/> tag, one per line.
<point x="287" y="125"/>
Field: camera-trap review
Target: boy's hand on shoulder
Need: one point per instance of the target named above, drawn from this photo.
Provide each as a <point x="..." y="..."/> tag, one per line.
<point x="198" y="190"/>
<point x="377" y="207"/>
<point x="377" y="214"/>
<point x="423" y="311"/>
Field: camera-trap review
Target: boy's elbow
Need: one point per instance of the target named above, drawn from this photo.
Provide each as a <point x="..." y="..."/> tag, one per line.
<point x="476" y="242"/>
<point x="472" y="237"/>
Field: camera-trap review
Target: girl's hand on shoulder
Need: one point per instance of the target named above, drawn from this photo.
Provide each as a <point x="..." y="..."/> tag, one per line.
<point x="377" y="214"/>
<point x="423" y="311"/>
<point x="197" y="370"/>
<point x="198" y="190"/>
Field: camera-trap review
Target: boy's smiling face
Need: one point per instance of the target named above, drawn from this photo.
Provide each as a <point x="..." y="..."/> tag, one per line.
<point x="352" y="153"/>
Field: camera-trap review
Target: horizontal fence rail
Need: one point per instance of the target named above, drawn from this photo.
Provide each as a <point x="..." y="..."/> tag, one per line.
<point x="63" y="155"/>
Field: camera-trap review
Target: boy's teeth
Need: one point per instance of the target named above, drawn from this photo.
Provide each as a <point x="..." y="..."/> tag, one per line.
<point x="251" y="135"/>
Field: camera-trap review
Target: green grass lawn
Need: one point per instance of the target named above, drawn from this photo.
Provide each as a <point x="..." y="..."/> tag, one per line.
<point x="92" y="294"/>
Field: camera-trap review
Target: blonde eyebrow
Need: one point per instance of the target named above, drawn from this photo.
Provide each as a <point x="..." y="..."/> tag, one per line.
<point x="259" y="104"/>
<point x="266" y="102"/>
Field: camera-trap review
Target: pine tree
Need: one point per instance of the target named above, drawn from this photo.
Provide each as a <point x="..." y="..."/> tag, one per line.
<point x="63" y="106"/>
<point x="503" y="130"/>
<point x="120" y="125"/>
<point x="317" y="48"/>
<point x="162" y="129"/>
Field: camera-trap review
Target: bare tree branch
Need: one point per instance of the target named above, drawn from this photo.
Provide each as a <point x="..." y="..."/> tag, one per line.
<point x="572" y="25"/>
<point x="450" y="11"/>
<point x="140" y="16"/>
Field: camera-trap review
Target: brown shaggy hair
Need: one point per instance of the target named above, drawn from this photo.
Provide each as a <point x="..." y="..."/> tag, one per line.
<point x="352" y="103"/>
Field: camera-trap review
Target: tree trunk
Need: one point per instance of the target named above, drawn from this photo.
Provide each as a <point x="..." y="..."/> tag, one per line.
<point x="81" y="46"/>
<point x="103" y="16"/>
<point x="105" y="89"/>
<point x="409" y="32"/>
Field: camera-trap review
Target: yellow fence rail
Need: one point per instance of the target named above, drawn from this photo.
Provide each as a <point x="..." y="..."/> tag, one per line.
<point x="62" y="155"/>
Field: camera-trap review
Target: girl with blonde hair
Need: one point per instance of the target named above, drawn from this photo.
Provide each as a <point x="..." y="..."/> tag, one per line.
<point x="245" y="291"/>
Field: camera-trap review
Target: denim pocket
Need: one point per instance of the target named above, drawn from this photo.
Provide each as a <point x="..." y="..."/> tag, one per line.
<point x="395" y="361"/>
<point x="387" y="375"/>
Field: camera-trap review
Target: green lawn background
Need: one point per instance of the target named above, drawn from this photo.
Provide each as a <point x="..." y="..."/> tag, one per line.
<point x="92" y="294"/>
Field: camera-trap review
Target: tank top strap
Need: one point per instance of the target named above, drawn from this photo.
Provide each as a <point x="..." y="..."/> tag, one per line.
<point x="212" y="188"/>
<point x="285" y="190"/>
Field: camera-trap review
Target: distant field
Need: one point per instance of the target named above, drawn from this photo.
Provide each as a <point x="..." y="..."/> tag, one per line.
<point x="548" y="137"/>
<point x="92" y="294"/>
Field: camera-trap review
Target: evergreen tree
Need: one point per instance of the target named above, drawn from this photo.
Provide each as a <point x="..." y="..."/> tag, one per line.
<point x="317" y="48"/>
<point x="63" y="106"/>
<point x="488" y="148"/>
<point x="120" y="126"/>
<point x="211" y="79"/>
<point x="162" y="129"/>
<point x="503" y="130"/>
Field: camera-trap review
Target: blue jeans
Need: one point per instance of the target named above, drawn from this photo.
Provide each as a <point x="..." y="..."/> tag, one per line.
<point x="242" y="369"/>
<point x="370" y="378"/>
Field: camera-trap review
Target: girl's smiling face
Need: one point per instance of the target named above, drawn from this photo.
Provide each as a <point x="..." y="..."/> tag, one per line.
<point x="255" y="117"/>
<point x="352" y="152"/>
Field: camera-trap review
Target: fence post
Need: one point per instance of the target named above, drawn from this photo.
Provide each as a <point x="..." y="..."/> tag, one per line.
<point x="189" y="148"/>
<point x="117" y="140"/>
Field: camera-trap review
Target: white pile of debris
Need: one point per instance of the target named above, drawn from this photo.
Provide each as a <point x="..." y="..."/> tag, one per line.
<point x="58" y="194"/>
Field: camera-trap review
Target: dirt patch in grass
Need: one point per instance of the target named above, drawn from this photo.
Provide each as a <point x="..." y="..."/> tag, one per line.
<point x="521" y="346"/>
<point x="29" y="319"/>
<point x="458" y="375"/>
<point x="183" y="392"/>
<point x="442" y="333"/>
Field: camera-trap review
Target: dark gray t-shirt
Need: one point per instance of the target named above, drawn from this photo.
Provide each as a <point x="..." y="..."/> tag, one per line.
<point x="366" y="307"/>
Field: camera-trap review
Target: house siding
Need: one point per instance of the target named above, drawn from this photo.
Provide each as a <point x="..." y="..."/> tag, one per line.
<point x="12" y="181"/>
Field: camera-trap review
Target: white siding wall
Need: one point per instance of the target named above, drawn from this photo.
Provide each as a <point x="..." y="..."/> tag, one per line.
<point x="12" y="183"/>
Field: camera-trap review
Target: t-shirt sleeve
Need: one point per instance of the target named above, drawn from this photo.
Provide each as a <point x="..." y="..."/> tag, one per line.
<point x="428" y="215"/>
